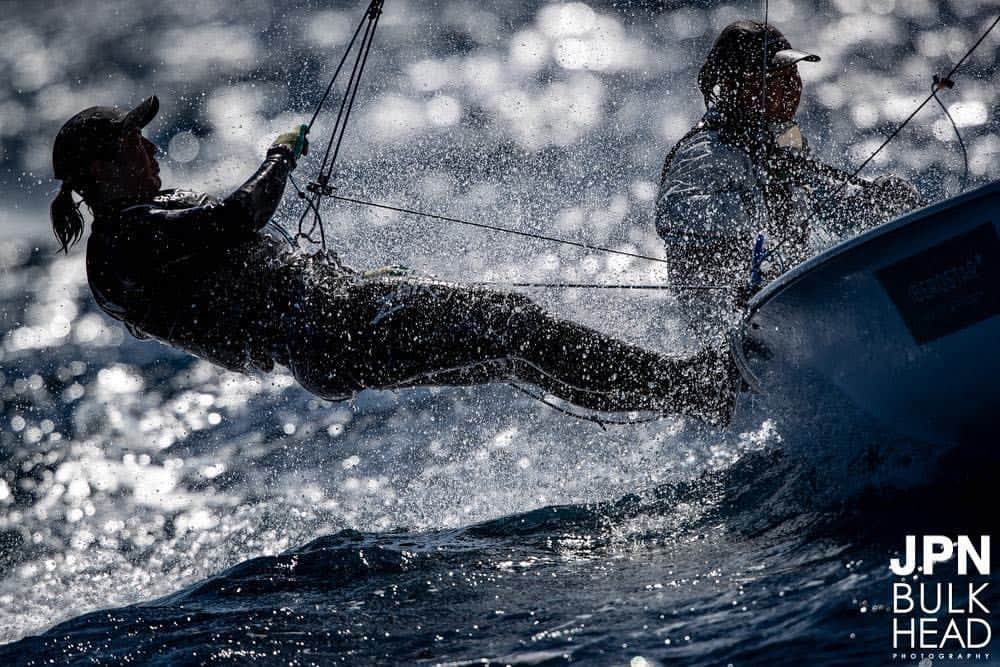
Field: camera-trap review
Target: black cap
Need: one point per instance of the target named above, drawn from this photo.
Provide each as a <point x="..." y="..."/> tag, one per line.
<point x="740" y="49"/>
<point x="94" y="133"/>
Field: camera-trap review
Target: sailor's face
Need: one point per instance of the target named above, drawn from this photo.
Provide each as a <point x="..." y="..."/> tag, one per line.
<point x="779" y="99"/>
<point x="785" y="92"/>
<point x="132" y="172"/>
<point x="140" y="172"/>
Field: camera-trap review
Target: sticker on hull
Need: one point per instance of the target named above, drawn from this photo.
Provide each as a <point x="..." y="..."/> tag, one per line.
<point x="949" y="286"/>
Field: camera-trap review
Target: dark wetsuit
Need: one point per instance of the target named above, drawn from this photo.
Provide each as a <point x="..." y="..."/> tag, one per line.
<point x="196" y="273"/>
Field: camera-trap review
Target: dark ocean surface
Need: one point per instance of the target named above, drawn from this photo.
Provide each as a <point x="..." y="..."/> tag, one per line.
<point x="491" y="528"/>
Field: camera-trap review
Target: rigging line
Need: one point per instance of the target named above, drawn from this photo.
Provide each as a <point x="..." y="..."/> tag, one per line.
<point x="351" y="83"/>
<point x="309" y="206"/>
<point x="898" y="129"/>
<point x="948" y="76"/>
<point x="938" y="85"/>
<point x="312" y="201"/>
<point x="370" y="20"/>
<point x="321" y="186"/>
<point x="621" y="286"/>
<point x="336" y="74"/>
<point x="322" y="180"/>
<point x="317" y="220"/>
<point x="366" y="49"/>
<point x="506" y="230"/>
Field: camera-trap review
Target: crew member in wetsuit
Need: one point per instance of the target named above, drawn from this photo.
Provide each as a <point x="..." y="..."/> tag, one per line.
<point x="745" y="172"/>
<point x="196" y="273"/>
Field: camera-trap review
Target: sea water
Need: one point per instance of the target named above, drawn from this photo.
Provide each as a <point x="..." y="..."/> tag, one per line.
<point x="241" y="519"/>
<point x="155" y="509"/>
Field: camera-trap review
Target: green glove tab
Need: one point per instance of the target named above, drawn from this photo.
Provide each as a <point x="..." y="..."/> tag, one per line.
<point x="294" y="141"/>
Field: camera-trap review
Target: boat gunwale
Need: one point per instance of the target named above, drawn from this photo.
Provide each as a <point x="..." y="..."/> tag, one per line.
<point x="894" y="226"/>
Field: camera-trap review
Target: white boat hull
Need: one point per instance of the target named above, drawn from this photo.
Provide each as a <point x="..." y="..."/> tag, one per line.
<point x="899" y="323"/>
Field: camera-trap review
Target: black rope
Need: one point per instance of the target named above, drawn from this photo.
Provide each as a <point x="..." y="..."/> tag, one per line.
<point x="938" y="84"/>
<point x="340" y="124"/>
<point x="333" y="79"/>
<point x="310" y="205"/>
<point x="948" y="77"/>
<point x="366" y="49"/>
<point x="505" y="230"/>
<point x="320" y="187"/>
<point x="321" y="184"/>
<point x="621" y="286"/>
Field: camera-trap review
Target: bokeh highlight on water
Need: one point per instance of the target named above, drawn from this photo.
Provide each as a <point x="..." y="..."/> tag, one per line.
<point x="129" y="471"/>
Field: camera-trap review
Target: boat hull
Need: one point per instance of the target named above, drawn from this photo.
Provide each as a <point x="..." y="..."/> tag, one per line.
<point x="899" y="323"/>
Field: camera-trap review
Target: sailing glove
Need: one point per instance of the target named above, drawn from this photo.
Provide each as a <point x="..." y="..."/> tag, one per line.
<point x="295" y="141"/>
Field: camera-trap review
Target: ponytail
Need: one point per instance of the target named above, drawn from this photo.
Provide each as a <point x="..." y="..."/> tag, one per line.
<point x="67" y="222"/>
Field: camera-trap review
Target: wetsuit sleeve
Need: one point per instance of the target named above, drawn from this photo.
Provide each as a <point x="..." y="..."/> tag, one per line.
<point x="261" y="194"/>
<point x="854" y="209"/>
<point x="182" y="231"/>
<point x="708" y="213"/>
<point x="706" y="196"/>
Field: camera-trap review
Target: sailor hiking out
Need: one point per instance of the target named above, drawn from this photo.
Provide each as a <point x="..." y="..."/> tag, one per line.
<point x="198" y="273"/>
<point x="737" y="200"/>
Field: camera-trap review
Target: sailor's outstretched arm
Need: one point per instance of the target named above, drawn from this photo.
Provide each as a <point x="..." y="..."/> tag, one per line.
<point x="178" y="232"/>
<point x="857" y="209"/>
<point x="260" y="195"/>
